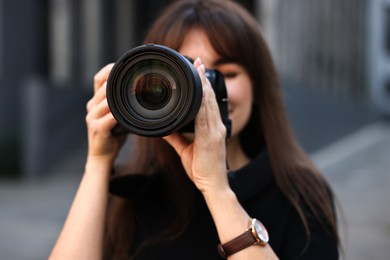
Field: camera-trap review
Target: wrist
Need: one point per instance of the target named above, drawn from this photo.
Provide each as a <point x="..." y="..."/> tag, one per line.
<point x="213" y="185"/>
<point x="224" y="193"/>
<point x="99" y="164"/>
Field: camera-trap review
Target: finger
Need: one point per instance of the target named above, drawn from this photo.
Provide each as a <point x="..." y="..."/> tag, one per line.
<point x="177" y="142"/>
<point x="212" y="109"/>
<point x="201" y="121"/>
<point x="89" y="105"/>
<point x="108" y="122"/>
<point x="209" y="118"/>
<point x="101" y="76"/>
<point x="211" y="105"/>
<point x="102" y="125"/>
<point x="101" y="109"/>
<point x="97" y="98"/>
<point x="202" y="73"/>
<point x="101" y="93"/>
<point x="97" y="111"/>
<point x="197" y="62"/>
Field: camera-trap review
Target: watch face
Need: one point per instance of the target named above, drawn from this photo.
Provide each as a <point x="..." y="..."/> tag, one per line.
<point x="260" y="231"/>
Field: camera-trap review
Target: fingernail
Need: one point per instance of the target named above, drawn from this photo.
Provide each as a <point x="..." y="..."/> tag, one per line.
<point x="202" y="68"/>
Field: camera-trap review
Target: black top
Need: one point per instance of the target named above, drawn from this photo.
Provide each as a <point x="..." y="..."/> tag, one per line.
<point x="257" y="192"/>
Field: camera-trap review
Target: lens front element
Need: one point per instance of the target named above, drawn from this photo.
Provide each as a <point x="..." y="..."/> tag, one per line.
<point x="153" y="91"/>
<point x="150" y="90"/>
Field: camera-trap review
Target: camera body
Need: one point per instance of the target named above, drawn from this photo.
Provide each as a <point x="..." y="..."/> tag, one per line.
<point x="154" y="91"/>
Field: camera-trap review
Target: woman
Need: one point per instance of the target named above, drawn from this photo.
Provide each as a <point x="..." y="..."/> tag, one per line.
<point x="185" y="200"/>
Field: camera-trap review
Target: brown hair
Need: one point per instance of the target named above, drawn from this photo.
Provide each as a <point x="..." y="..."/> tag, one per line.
<point x="235" y="35"/>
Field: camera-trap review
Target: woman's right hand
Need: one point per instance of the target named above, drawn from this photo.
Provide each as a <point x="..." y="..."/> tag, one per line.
<point x="102" y="145"/>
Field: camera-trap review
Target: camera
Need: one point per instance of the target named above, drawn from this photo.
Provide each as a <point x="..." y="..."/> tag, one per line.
<point x="153" y="91"/>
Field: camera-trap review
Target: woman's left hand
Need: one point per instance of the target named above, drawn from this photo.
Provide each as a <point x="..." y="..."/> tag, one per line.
<point x="204" y="159"/>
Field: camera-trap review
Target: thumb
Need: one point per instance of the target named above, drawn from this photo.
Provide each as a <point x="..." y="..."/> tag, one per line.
<point x="177" y="142"/>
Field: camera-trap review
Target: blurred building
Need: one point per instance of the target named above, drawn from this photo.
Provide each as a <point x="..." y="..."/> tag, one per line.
<point x="50" y="50"/>
<point x="337" y="47"/>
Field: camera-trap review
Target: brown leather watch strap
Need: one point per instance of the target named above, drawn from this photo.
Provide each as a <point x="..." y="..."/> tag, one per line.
<point x="244" y="240"/>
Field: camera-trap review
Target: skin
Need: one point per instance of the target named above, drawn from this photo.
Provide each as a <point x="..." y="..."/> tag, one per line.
<point x="204" y="159"/>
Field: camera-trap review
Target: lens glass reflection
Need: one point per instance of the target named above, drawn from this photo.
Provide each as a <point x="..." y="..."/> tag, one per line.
<point x="151" y="89"/>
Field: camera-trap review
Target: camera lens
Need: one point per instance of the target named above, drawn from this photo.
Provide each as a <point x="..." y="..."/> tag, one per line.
<point x="153" y="91"/>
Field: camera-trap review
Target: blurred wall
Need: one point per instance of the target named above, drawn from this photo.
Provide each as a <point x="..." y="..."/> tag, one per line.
<point x="339" y="48"/>
<point x="319" y="44"/>
<point x="23" y="42"/>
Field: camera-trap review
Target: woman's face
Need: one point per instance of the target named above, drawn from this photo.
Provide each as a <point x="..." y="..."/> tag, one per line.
<point x="238" y="83"/>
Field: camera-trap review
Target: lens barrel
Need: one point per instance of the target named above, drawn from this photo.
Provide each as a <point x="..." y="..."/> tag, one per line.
<point x="153" y="91"/>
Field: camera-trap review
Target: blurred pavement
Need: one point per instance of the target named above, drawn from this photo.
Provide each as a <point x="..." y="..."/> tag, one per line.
<point x="357" y="166"/>
<point x="358" y="169"/>
<point x="32" y="212"/>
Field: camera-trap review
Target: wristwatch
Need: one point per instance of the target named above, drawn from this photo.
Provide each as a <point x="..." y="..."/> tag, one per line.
<point x="256" y="234"/>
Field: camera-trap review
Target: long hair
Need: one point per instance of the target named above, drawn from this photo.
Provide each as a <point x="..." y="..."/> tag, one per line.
<point x="235" y="35"/>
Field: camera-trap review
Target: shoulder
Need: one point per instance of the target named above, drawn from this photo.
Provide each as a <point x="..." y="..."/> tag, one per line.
<point x="262" y="198"/>
<point x="288" y="236"/>
<point x="320" y="243"/>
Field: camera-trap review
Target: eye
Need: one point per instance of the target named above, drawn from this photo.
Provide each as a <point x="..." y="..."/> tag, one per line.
<point x="230" y="70"/>
<point x="229" y="75"/>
